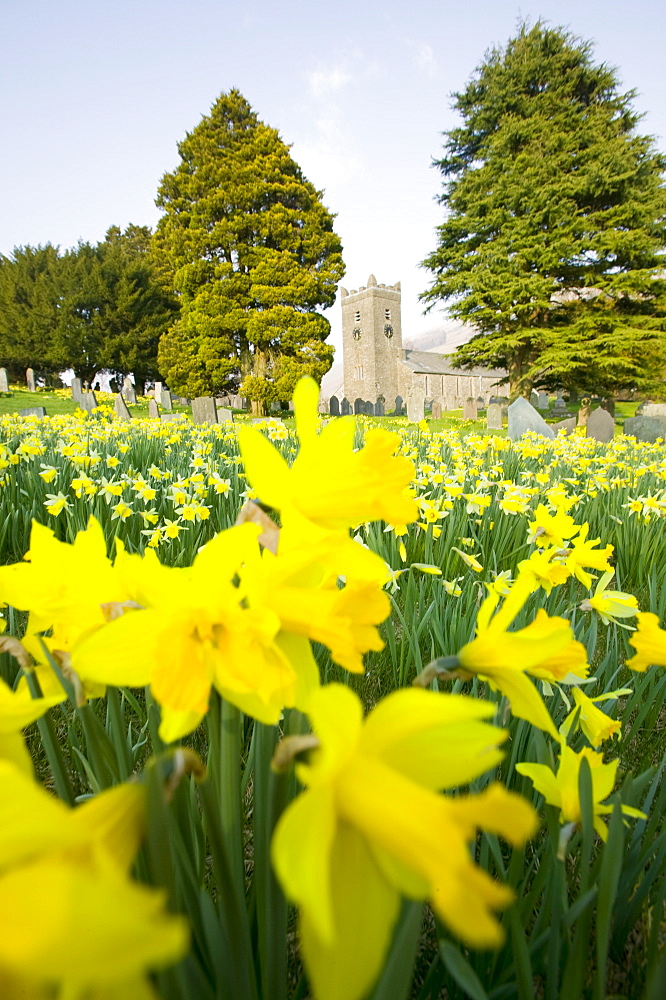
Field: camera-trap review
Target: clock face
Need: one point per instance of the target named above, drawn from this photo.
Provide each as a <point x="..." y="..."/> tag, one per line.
<point x="388" y="330"/>
<point x="356" y="333"/>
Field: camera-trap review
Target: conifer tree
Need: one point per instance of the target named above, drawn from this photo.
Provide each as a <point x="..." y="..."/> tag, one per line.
<point x="253" y="256"/>
<point x="556" y="222"/>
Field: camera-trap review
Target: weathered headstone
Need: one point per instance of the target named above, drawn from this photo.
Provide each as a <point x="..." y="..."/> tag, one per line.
<point x="224" y="415"/>
<point x="77" y="391"/>
<point x="4" y="383"/>
<point x="88" y="401"/>
<point x="323" y="405"/>
<point x="534" y="398"/>
<point x="568" y="426"/>
<point x="436" y="412"/>
<point x="398" y="406"/>
<point x="30" y="380"/>
<point x="543" y="401"/>
<point x="157" y="391"/>
<point x="601" y="426"/>
<point x="415" y="405"/>
<point x="359" y="405"/>
<point x="165" y="400"/>
<point x="494" y="417"/>
<point x="173" y="418"/>
<point x="647" y="409"/>
<point x="128" y="391"/>
<point x="153" y="409"/>
<point x="32" y="411"/>
<point x="523" y="417"/>
<point x="559" y="403"/>
<point x="223" y="400"/>
<point x="584" y="412"/>
<point x="469" y="409"/>
<point x="120" y="408"/>
<point x="345" y="407"/>
<point x="645" y="428"/>
<point x="334" y="406"/>
<point x="379" y="407"/>
<point x="204" y="410"/>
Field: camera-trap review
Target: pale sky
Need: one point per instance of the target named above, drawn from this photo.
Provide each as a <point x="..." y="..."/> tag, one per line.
<point x="95" y="95"/>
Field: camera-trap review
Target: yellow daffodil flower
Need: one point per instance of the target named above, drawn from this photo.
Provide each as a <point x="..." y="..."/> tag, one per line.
<point x="595" y="724"/>
<point x="544" y="569"/>
<point x="583" y="553"/>
<point x="330" y="483"/>
<point x="551" y="529"/>
<point x="611" y="604"/>
<point x="561" y="789"/>
<point x="371" y="827"/>
<point x="649" y="641"/>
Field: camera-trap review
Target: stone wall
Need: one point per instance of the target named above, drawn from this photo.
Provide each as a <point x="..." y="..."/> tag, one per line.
<point x="371" y="352"/>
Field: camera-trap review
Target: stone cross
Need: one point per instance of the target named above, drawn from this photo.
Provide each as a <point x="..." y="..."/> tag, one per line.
<point x="559" y="403"/>
<point x="4" y="384"/>
<point x="120" y="408"/>
<point x="523" y="417"/>
<point x="30" y="380"/>
<point x="601" y="426"/>
<point x="204" y="410"/>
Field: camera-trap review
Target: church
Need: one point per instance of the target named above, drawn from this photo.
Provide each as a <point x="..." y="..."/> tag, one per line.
<point x="378" y="367"/>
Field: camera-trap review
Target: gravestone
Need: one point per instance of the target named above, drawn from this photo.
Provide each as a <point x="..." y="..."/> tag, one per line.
<point x="120" y="408"/>
<point x="584" y="412"/>
<point x="494" y="417"/>
<point x="223" y="400"/>
<point x="534" y="398"/>
<point x="4" y="384"/>
<point x="469" y="409"/>
<point x="645" y="428"/>
<point x="359" y="405"/>
<point x="153" y="409"/>
<point x="88" y="401"/>
<point x="601" y="426"/>
<point x="128" y="391"/>
<point x="608" y="405"/>
<point x="398" y="406"/>
<point x="523" y="417"/>
<point x="30" y="380"/>
<point x="345" y="407"/>
<point x="436" y="410"/>
<point x="32" y="411"/>
<point x="204" y="410"/>
<point x="559" y="403"/>
<point x="157" y="391"/>
<point x="334" y="406"/>
<point x="290" y="406"/>
<point x="224" y="415"/>
<point x="165" y="400"/>
<point x="173" y="418"/>
<point x="415" y="406"/>
<point x="568" y="426"/>
<point x="77" y="391"/>
<point x="379" y="407"/>
<point x="543" y="401"/>
<point x="646" y="410"/>
<point x="323" y="405"/>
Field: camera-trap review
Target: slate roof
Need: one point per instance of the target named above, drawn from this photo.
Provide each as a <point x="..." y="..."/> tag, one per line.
<point x="426" y="363"/>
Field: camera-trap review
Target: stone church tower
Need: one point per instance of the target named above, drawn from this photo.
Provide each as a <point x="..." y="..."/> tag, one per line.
<point x="372" y="341"/>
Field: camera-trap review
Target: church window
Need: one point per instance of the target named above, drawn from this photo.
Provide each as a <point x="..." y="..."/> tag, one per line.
<point x="358" y="372"/>
<point x="356" y="333"/>
<point x="357" y="316"/>
<point x="387" y="314"/>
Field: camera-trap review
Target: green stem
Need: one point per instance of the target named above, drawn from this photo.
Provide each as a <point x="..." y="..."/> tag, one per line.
<point x="52" y="746"/>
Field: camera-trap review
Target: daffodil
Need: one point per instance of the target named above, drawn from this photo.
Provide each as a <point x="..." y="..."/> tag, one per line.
<point x="330" y="483"/>
<point x="371" y="827"/>
<point x="545" y="569"/>
<point x="595" y="724"/>
<point x="551" y="529"/>
<point x="17" y="710"/>
<point x="561" y="789"/>
<point x="611" y="604"/>
<point x="583" y="553"/>
<point x="649" y="641"/>
<point x="70" y="917"/>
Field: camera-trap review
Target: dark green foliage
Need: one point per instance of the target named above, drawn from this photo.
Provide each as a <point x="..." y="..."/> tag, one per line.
<point x="253" y="256"/>
<point x="556" y="222"/>
<point x="91" y="308"/>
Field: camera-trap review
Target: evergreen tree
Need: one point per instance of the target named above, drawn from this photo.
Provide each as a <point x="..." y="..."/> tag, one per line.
<point x="29" y="308"/>
<point x="556" y="222"/>
<point x="253" y="256"/>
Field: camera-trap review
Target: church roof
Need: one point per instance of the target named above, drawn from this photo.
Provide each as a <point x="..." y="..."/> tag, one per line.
<point x="428" y="363"/>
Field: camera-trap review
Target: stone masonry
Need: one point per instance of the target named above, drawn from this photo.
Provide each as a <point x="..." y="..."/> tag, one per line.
<point x="372" y="340"/>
